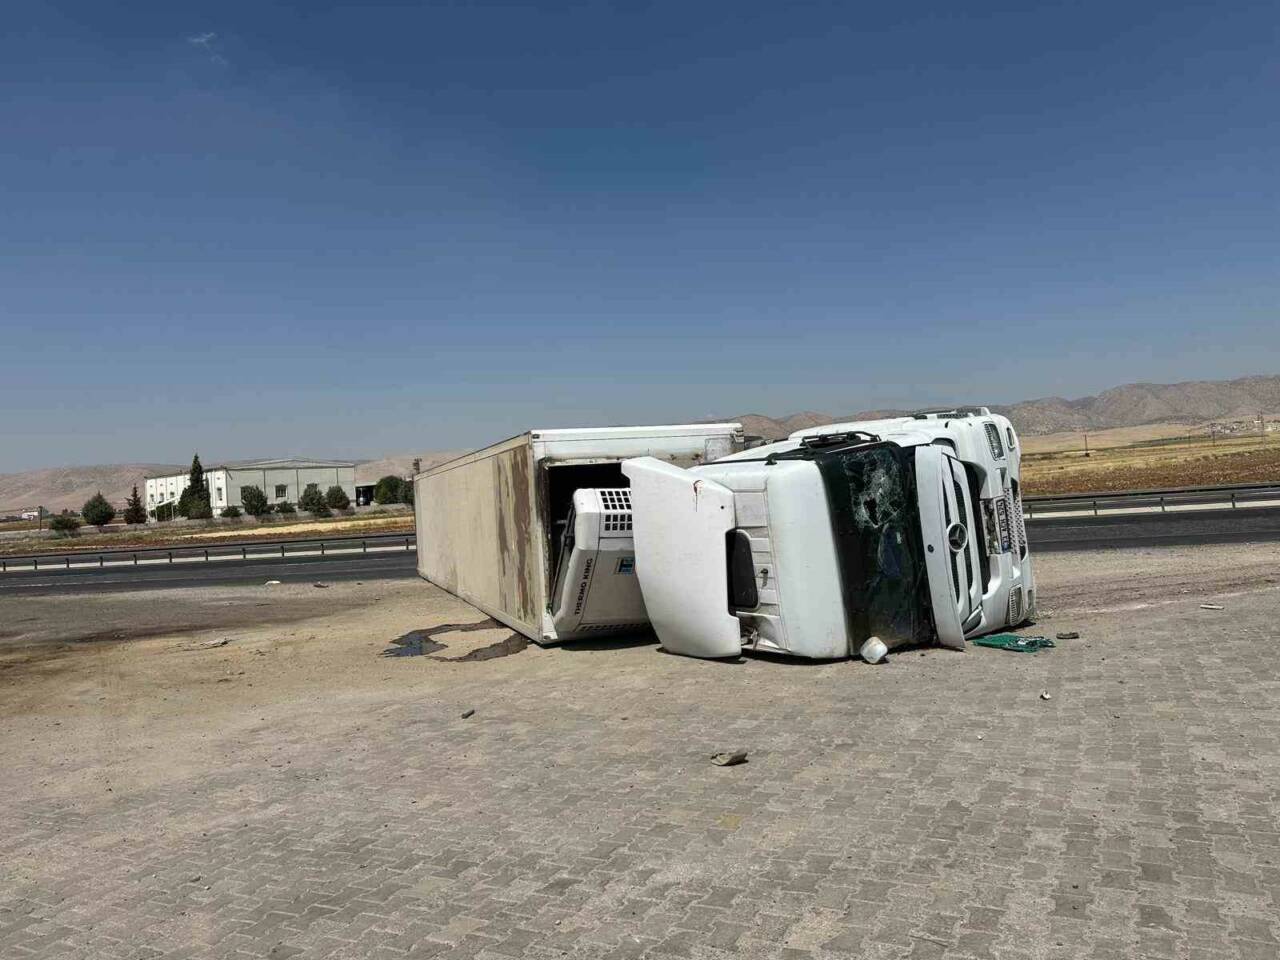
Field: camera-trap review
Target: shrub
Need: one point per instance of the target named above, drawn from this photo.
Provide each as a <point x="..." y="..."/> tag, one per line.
<point x="165" y="511"/>
<point x="231" y="513"/>
<point x="97" y="511"/>
<point x="285" y="507"/>
<point x="311" y="498"/>
<point x="319" y="508"/>
<point x="255" y="501"/>
<point x="337" y="498"/>
<point x="64" y="524"/>
<point x="390" y="489"/>
<point x="134" y="511"/>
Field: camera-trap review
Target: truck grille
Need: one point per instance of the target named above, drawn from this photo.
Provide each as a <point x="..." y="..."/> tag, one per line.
<point x="1017" y="523"/>
<point x="617" y="509"/>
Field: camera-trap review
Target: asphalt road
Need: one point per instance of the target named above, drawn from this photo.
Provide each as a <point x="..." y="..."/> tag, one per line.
<point x="1046" y="536"/>
<point x="1244" y="525"/>
<point x="372" y="566"/>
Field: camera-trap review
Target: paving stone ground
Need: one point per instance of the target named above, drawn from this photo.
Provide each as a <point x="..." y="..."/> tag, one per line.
<point x="933" y="807"/>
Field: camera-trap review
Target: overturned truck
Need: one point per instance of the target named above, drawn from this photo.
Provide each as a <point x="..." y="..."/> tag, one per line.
<point x="836" y="541"/>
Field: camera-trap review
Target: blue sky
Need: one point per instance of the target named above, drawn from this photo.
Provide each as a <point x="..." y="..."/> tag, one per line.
<point x="256" y="229"/>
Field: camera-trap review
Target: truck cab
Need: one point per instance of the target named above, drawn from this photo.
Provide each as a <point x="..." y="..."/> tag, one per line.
<point x="988" y="449"/>
<point x="810" y="547"/>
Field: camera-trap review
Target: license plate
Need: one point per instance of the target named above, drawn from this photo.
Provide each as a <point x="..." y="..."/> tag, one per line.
<point x="1002" y="523"/>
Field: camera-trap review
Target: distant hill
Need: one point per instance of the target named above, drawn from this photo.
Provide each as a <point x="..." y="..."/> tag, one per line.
<point x="1133" y="405"/>
<point x="401" y="465"/>
<point x="60" y="488"/>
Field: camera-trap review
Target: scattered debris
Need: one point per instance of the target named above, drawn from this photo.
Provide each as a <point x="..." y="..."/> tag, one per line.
<point x="1046" y="695"/>
<point x="209" y="644"/>
<point x="981" y="737"/>
<point x="468" y="713"/>
<point x="1011" y="641"/>
<point x="320" y="586"/>
<point x="874" y="650"/>
<point x="272" y="583"/>
<point x="1067" y="635"/>
<point x="730" y="758"/>
<point x="1212" y="606"/>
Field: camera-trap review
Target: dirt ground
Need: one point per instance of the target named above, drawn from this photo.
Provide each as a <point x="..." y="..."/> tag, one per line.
<point x="1072" y="440"/>
<point x="312" y="788"/>
<point x="1195" y="464"/>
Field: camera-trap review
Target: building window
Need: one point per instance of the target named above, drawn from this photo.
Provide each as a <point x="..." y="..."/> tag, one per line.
<point x="282" y="490"/>
<point x="219" y="490"/>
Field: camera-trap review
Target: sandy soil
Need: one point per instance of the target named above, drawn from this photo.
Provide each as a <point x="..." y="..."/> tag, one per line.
<point x="1101" y="439"/>
<point x="1183" y="465"/>
<point x="115" y="652"/>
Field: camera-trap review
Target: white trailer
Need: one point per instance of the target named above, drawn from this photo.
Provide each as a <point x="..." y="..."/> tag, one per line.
<point x="536" y="530"/>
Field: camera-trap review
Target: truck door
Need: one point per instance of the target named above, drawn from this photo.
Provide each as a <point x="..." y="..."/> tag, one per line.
<point x="679" y="525"/>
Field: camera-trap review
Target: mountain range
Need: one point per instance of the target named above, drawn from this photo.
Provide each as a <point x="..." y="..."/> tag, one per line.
<point x="1132" y="405"/>
<point x="1135" y="404"/>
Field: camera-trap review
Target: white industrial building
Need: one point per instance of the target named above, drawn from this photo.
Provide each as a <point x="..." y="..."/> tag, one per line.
<point x="280" y="480"/>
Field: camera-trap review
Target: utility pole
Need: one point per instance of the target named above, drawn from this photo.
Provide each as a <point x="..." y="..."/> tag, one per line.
<point x="1086" y="443"/>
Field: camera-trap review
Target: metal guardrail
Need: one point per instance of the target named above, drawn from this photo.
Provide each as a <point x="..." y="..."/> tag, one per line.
<point x="1222" y="497"/>
<point x="240" y="550"/>
<point x="1040" y="507"/>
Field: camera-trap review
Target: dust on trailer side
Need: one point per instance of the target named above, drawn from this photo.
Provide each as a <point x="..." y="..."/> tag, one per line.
<point x="490" y="523"/>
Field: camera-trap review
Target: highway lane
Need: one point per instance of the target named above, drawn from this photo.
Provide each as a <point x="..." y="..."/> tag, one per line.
<point x="308" y="569"/>
<point x="1244" y="525"/>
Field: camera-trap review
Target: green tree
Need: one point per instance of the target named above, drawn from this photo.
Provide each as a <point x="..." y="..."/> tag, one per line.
<point x="98" y="511"/>
<point x="390" y="489"/>
<point x="194" y="503"/>
<point x="134" y="511"/>
<point x="64" y="524"/>
<point x="285" y="507"/>
<point x="231" y="513"/>
<point x="337" y="498"/>
<point x="255" y="501"/>
<point x="165" y="511"/>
